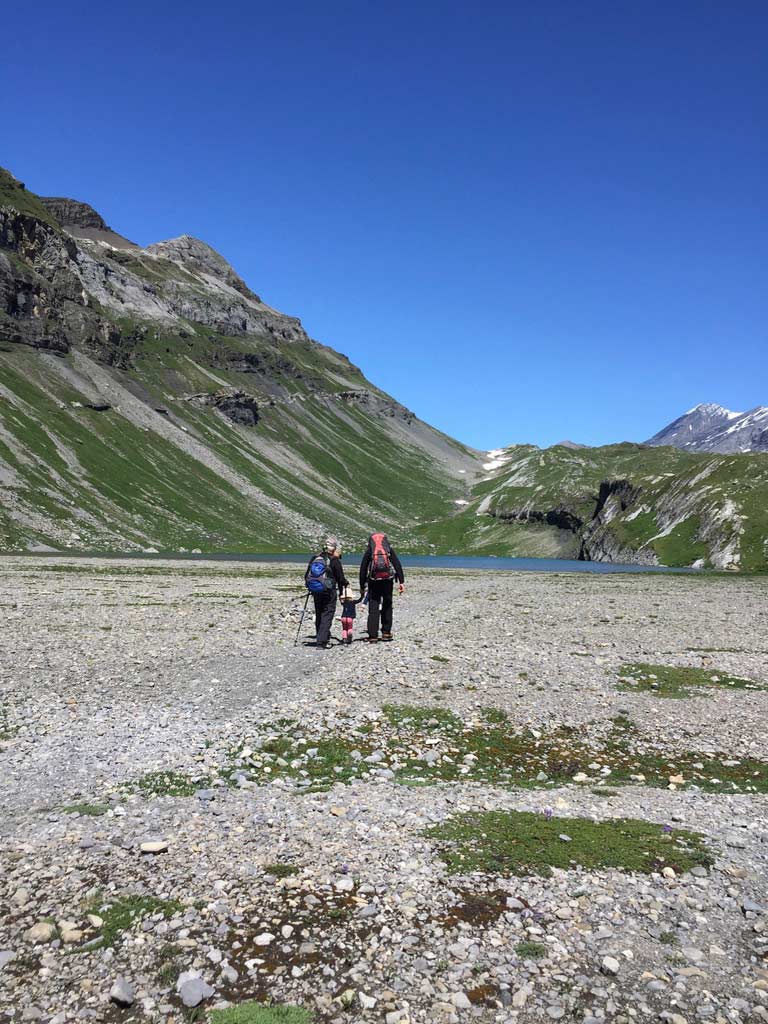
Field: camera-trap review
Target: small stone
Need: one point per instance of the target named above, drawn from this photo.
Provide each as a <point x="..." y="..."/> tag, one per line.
<point x="520" y="997"/>
<point x="70" y="935"/>
<point x="669" y="873"/>
<point x="344" y="884"/>
<point x="43" y="931"/>
<point x="750" y="907"/>
<point x="264" y="939"/>
<point x="693" y="954"/>
<point x="192" y="989"/>
<point x="677" y="780"/>
<point x="367" y="1002"/>
<point x="229" y="974"/>
<point x="564" y="913"/>
<point x="564" y="837"/>
<point x="555" y="1012"/>
<point x="154" y="847"/>
<point x="6" y="955"/>
<point x="94" y="920"/>
<point x="122" y="992"/>
<point x="610" y="965"/>
<point x="461" y="1001"/>
<point x="338" y="812"/>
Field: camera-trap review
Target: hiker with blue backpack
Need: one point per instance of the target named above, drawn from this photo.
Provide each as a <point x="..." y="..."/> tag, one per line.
<point x="325" y="579"/>
<point x="378" y="571"/>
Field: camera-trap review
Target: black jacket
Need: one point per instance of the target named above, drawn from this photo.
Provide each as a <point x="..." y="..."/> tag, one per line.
<point x="366" y="564"/>
<point x="335" y="568"/>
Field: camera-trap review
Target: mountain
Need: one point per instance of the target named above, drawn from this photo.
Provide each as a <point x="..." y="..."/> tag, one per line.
<point x="712" y="428"/>
<point x="619" y="503"/>
<point x="150" y="399"/>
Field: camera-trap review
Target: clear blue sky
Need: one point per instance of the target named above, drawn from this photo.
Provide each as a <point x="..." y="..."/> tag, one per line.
<point x="526" y="220"/>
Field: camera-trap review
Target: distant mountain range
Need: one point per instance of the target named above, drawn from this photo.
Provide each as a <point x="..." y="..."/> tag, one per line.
<point x="149" y="399"/>
<point x="712" y="428"/>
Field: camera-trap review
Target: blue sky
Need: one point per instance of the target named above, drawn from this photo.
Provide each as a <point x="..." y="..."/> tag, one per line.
<point x="526" y="221"/>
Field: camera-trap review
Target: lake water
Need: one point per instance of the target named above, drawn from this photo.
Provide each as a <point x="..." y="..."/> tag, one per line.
<point x="426" y="562"/>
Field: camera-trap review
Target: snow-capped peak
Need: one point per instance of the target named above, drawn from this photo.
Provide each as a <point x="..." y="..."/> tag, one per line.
<point x="713" y="409"/>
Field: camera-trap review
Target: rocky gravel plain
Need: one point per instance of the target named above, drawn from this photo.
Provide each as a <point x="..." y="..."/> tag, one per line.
<point x="194" y="813"/>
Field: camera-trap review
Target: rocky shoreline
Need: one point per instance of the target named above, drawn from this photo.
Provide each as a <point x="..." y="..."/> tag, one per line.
<point x="196" y="814"/>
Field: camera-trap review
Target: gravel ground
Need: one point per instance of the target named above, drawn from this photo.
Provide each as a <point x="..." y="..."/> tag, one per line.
<point x="114" y="671"/>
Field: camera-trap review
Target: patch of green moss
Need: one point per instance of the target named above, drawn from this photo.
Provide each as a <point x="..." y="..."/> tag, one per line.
<point x="531" y="950"/>
<point x="121" y="914"/>
<point x="677" y="680"/>
<point x="523" y="843"/>
<point x="167" y="784"/>
<point x="259" y="1013"/>
<point x="87" y="810"/>
<point x="281" y="870"/>
<point x="414" y="716"/>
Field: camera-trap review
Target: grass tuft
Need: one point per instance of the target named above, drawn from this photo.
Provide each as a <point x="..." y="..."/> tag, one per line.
<point x="677" y="681"/>
<point x="88" y="810"/>
<point x="523" y="843"/>
<point x="531" y="950"/>
<point x="259" y="1013"/>
<point x="122" y="914"/>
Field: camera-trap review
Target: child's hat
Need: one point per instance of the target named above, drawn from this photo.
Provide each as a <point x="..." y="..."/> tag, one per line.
<point x="348" y="594"/>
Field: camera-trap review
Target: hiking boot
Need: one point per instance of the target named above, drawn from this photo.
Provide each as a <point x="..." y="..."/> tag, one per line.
<point x="372" y="639"/>
<point x="386" y="636"/>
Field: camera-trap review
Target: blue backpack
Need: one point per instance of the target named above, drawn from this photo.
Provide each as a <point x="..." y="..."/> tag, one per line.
<point x="318" y="579"/>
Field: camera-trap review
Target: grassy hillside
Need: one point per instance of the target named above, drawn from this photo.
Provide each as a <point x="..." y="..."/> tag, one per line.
<point x="620" y="503"/>
<point x="150" y="399"/>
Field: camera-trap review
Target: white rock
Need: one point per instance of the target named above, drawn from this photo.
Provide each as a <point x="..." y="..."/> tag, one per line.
<point x="122" y="992"/>
<point x="157" y="846"/>
<point x="264" y="939"/>
<point x="43" y="931"/>
<point x="610" y="965"/>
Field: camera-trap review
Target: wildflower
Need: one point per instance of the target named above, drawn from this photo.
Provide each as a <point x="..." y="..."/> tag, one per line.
<point x="666" y="828"/>
<point x="548" y="813"/>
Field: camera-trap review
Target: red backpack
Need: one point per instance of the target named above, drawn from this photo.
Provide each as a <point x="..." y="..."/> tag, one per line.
<point x="381" y="562"/>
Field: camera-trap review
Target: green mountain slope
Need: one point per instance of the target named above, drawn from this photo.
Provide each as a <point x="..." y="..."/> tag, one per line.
<point x="148" y="398"/>
<point x="619" y="503"/>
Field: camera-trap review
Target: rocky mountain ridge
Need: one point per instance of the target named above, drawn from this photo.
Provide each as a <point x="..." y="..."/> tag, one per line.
<point x="713" y="428"/>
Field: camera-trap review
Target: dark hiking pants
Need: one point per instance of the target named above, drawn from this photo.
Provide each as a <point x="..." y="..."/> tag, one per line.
<point x="325" y="609"/>
<point x="380" y="603"/>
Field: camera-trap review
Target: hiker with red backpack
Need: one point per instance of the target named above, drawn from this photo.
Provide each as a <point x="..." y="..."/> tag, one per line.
<point x="324" y="579"/>
<point x="379" y="570"/>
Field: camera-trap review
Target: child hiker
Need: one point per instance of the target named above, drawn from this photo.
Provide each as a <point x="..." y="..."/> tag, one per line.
<point x="349" y="605"/>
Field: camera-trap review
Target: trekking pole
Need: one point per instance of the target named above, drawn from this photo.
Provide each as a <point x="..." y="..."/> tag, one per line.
<point x="301" y="621"/>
